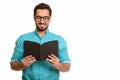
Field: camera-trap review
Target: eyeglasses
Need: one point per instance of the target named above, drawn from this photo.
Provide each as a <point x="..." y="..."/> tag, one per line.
<point x="39" y="18"/>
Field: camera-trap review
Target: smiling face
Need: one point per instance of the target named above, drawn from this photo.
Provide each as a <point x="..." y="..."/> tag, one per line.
<point x="42" y="19"/>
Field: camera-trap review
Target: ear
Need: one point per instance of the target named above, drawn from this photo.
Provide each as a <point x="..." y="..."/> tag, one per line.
<point x="50" y="18"/>
<point x="34" y="17"/>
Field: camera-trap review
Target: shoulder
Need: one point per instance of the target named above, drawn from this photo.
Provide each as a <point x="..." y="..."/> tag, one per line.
<point x="58" y="37"/>
<point x="25" y="35"/>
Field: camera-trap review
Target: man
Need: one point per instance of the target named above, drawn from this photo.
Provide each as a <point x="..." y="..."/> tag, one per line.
<point x="50" y="68"/>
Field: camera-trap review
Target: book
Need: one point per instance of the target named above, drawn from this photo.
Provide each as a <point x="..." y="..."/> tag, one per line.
<point x="40" y="51"/>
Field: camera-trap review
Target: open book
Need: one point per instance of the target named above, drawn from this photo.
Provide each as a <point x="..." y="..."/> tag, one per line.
<point x="40" y="51"/>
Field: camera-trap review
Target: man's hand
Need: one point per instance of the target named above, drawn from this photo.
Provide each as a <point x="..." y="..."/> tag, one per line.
<point x="27" y="61"/>
<point x="63" y="67"/>
<point x="53" y="60"/>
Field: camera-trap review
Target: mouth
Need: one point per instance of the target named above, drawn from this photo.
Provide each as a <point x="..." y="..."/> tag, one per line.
<point x="42" y="26"/>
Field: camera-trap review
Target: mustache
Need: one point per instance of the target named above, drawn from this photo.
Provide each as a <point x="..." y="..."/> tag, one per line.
<point x="41" y="23"/>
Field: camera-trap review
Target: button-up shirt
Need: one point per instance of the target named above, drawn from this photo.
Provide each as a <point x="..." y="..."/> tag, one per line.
<point x="40" y="70"/>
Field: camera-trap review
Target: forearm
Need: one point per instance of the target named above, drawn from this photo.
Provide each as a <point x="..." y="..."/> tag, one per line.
<point x="17" y="66"/>
<point x="63" y="67"/>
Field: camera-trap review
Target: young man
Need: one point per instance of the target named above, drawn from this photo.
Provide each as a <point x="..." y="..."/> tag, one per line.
<point x="33" y="69"/>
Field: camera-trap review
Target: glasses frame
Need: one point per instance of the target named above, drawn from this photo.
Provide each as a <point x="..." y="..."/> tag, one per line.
<point x="45" y="18"/>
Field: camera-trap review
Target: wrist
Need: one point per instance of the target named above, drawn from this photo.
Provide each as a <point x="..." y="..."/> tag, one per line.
<point x="59" y="66"/>
<point x="22" y="66"/>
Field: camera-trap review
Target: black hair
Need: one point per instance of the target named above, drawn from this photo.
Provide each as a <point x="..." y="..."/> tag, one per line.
<point x="43" y="6"/>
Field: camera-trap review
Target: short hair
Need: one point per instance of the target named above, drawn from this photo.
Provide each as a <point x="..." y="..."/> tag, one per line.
<point x="43" y="6"/>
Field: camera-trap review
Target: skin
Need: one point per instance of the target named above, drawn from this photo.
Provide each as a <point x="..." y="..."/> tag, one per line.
<point x="41" y="28"/>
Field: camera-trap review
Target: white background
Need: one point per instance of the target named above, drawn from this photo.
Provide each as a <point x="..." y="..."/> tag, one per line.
<point x="90" y="27"/>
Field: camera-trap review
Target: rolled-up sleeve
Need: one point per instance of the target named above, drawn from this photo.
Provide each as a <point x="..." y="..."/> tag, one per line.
<point x="63" y="52"/>
<point x="18" y="51"/>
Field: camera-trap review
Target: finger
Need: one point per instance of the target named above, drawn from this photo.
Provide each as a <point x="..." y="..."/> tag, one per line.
<point x="27" y="57"/>
<point x="50" y="57"/>
<point x="30" y="58"/>
<point x="28" y="63"/>
<point x="53" y="56"/>
<point x="50" y="60"/>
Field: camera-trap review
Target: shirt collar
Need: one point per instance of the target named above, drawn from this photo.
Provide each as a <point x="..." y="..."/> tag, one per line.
<point x="38" y="34"/>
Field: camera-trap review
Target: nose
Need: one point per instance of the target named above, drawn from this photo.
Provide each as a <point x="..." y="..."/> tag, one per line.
<point x="41" y="20"/>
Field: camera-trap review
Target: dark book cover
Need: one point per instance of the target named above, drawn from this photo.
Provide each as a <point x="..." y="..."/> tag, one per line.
<point x="40" y="51"/>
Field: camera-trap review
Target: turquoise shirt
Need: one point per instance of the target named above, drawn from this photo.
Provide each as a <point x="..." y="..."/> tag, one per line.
<point x="40" y="70"/>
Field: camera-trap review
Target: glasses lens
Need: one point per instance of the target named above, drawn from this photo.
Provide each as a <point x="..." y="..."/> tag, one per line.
<point x="39" y="18"/>
<point x="46" y="18"/>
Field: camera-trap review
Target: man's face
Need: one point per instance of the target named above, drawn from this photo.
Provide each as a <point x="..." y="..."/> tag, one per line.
<point x="42" y="19"/>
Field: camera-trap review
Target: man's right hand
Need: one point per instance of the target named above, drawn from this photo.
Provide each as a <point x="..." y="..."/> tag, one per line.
<point x="27" y="61"/>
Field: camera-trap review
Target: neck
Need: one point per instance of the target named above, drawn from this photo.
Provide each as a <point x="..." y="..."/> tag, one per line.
<point x="41" y="33"/>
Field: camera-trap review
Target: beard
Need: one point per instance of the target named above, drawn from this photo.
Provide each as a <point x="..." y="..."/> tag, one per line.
<point x="40" y="28"/>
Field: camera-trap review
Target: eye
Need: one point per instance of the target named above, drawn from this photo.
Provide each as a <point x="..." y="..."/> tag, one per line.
<point x="38" y="17"/>
<point x="46" y="18"/>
